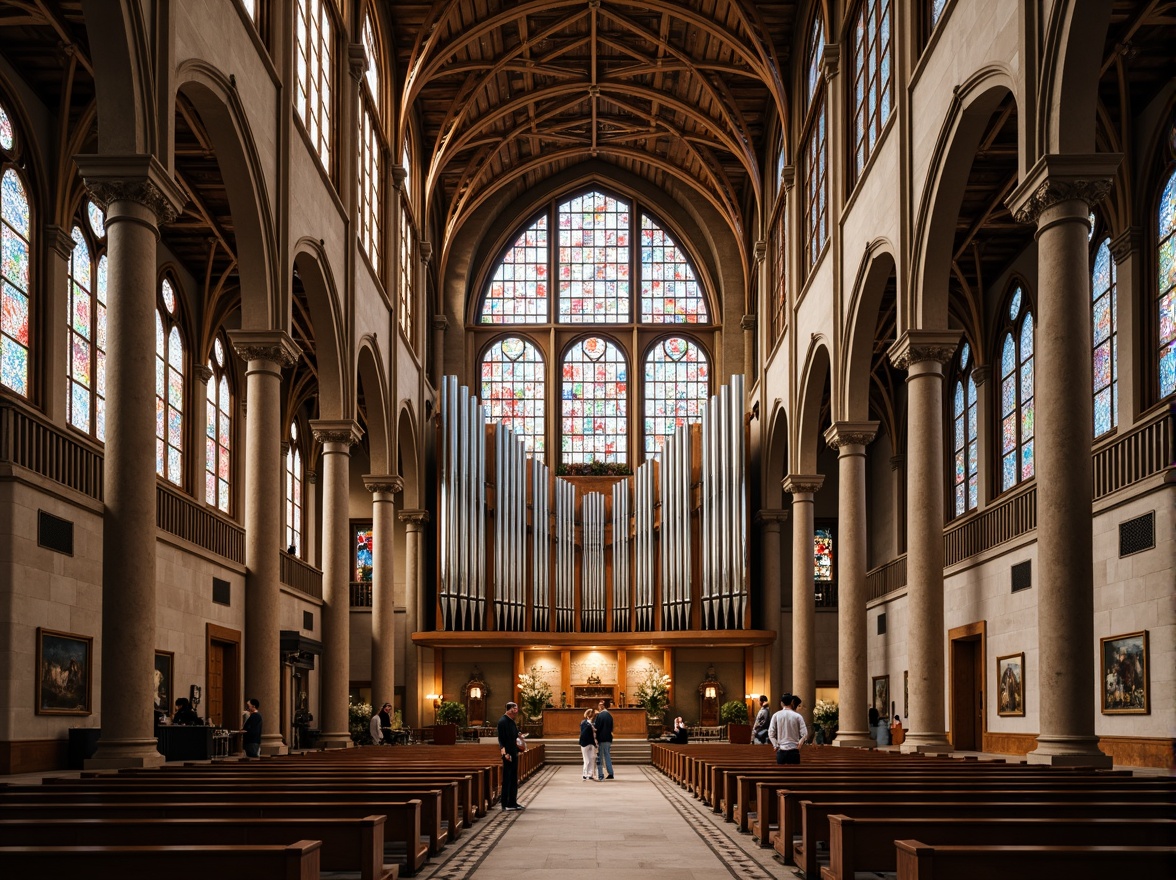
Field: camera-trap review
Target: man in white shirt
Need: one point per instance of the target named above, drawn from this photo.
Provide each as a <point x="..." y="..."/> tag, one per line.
<point x="786" y="732"/>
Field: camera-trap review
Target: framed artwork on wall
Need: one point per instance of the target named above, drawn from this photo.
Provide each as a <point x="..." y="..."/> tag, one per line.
<point x="65" y="667"/>
<point x="881" y="693"/>
<point x="1010" y="685"/>
<point x="1125" y="674"/>
<point x="164" y="666"/>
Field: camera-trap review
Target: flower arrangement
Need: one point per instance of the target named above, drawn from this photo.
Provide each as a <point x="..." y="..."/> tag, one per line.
<point x="654" y="692"/>
<point x="451" y="712"/>
<point x="825" y="714"/>
<point x="359" y="715"/>
<point x="534" y="693"/>
<point x="733" y="712"/>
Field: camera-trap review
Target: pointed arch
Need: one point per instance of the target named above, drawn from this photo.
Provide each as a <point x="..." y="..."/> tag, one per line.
<point x="372" y="381"/>
<point x="330" y="349"/>
<point x="814" y="385"/>
<point x="851" y="396"/>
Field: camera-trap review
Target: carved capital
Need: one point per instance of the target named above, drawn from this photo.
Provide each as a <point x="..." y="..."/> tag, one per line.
<point x="387" y="484"/>
<point x="440" y="322"/>
<point x="747" y="322"/>
<point x="841" y="434"/>
<point x="357" y="61"/>
<point x="132" y="178"/>
<point x="60" y="240"/>
<point x="344" y="431"/>
<point x="203" y="373"/>
<point x="830" y="61"/>
<point x="1055" y="179"/>
<point x="981" y="374"/>
<point x="1129" y="242"/>
<point x="787" y="176"/>
<point x="311" y="478"/>
<point x="399" y="175"/>
<point x="414" y="518"/>
<point x="265" y="345"/>
<point x="761" y="250"/>
<point x="796" y="484"/>
<point x="426" y="251"/>
<point x="770" y="517"/>
<point x="924" y="345"/>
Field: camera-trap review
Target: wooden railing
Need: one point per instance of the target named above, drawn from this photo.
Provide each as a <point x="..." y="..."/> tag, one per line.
<point x="30" y="442"/>
<point x="886" y="578"/>
<point x="301" y="576"/>
<point x="1139" y="453"/>
<point x="361" y="594"/>
<point x="184" y="517"/>
<point x="1009" y="518"/>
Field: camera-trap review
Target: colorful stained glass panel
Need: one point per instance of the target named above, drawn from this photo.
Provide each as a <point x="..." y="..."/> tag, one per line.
<point x="514" y="390"/>
<point x="14" y="204"/>
<point x="97" y="219"/>
<point x="517" y="293"/>
<point x="363" y="556"/>
<point x="594" y="231"/>
<point x="677" y="385"/>
<point x="670" y="292"/>
<point x="594" y="403"/>
<point x="823" y="555"/>
<point x="6" y="134"/>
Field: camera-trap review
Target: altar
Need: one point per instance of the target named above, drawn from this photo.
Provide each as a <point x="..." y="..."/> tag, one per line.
<point x="627" y="723"/>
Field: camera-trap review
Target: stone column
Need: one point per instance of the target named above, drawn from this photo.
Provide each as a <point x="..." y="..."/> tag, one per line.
<point x="414" y="545"/>
<point x="1057" y="195"/>
<point x="311" y="551"/>
<point x="850" y="440"/>
<point x="923" y="354"/>
<point x="139" y="196"/>
<point x="440" y="326"/>
<point x="748" y="323"/>
<point x="802" y="487"/>
<point x="384" y="489"/>
<point x="337" y="437"/>
<point x="265" y="353"/>
<point x="771" y="522"/>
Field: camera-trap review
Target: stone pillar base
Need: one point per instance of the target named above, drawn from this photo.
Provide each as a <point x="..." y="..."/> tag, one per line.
<point x="925" y="743"/>
<point x="335" y="741"/>
<point x="854" y="739"/>
<point x="1069" y="751"/>
<point x="272" y="744"/>
<point x="119" y="754"/>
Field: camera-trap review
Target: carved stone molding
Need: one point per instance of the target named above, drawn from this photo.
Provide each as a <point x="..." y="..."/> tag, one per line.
<point x="132" y="178"/>
<point x="357" y="61"/>
<point x="414" y="518"/>
<point x="1129" y="242"/>
<point x="388" y="484"/>
<point x="796" y="484"/>
<point x="770" y="517"/>
<point x="924" y="345"/>
<point x="830" y="61"/>
<point x="311" y="478"/>
<point x="426" y="251"/>
<point x="1060" y="178"/>
<point x="761" y="250"/>
<point x="981" y="374"/>
<point x="344" y="431"/>
<point x="265" y="345"/>
<point x="399" y="174"/>
<point x="60" y="240"/>
<point x="440" y="322"/>
<point x="897" y="461"/>
<point x="787" y="176"/>
<point x="203" y="373"/>
<point x="747" y="322"/>
<point x="850" y="434"/>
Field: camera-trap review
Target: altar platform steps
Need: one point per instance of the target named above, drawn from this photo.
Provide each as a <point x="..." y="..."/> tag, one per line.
<point x="567" y="751"/>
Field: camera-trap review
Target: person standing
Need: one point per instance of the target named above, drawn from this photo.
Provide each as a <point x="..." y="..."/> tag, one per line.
<point x="588" y="743"/>
<point x="385" y="723"/>
<point x="376" y="730"/>
<point x="185" y="714"/>
<point x="252" y="729"/>
<point x="510" y="744"/>
<point x="787" y="731"/>
<point x="762" y="719"/>
<point x="604" y="741"/>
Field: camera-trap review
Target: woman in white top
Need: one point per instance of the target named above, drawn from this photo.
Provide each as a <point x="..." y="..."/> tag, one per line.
<point x="588" y="743"/>
<point x="376" y="730"/>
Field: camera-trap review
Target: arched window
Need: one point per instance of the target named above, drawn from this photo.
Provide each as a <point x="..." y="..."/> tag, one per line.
<point x="369" y="150"/>
<point x="314" y="63"/>
<point x="518" y="288"/>
<point x="964" y="445"/>
<point x="1167" y="286"/>
<point x="670" y="294"/>
<point x="595" y="403"/>
<point x="1016" y="393"/>
<point x="1104" y="311"/>
<point x="15" y="265"/>
<point x="169" y="386"/>
<point x="873" y="85"/>
<point x="294" y="476"/>
<point x="407" y="274"/>
<point x="677" y="385"/>
<point x="514" y="389"/>
<point x="86" y="392"/>
<point x="218" y="431"/>
<point x="816" y="224"/>
<point x="594" y="267"/>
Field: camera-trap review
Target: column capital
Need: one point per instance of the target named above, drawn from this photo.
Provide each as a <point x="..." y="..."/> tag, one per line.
<point x="787" y="176"/>
<point x="897" y="461"/>
<point x="841" y="434"/>
<point x="357" y="61"/>
<point x="1058" y="178"/>
<point x="830" y="61"/>
<point x="134" y="178"/>
<point x="924" y="345"/>
<point x="60" y="240"/>
<point x="203" y="373"/>
<point x="761" y="250"/>
<point x="399" y="175"/>
<point x="383" y="484"/>
<point x="1129" y="241"/>
<point x="768" y="517"/>
<point x="800" y="484"/>
<point x="440" y="322"/>
<point x="426" y="251"/>
<point x="311" y="478"/>
<point x="747" y="322"/>
<point x="414" y="519"/>
<point x="265" y="345"/>
<point x="982" y="374"/>
<point x="344" y="431"/>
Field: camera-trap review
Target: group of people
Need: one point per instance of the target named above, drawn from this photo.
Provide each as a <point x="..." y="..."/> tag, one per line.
<point x="596" y="738"/>
<point x="785" y="730"/>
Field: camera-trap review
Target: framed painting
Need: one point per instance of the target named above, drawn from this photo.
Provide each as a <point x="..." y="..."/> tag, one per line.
<point x="164" y="666"/>
<point x="65" y="668"/>
<point x="1125" y="674"/>
<point x="881" y="692"/>
<point x="1010" y="685"/>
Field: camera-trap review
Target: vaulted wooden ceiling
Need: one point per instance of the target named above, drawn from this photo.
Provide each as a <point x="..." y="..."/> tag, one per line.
<point x="509" y="93"/>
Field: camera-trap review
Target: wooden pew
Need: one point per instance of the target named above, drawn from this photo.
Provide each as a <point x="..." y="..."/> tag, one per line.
<point x="858" y="844"/>
<point x="298" y="861"/>
<point x="352" y="845"/>
<point x="918" y="861"/>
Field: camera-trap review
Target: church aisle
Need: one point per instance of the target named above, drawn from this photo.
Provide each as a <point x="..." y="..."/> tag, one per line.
<point x="635" y="827"/>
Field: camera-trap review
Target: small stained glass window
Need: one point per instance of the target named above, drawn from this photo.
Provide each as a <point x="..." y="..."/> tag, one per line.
<point x="514" y="390"/>
<point x="594" y="259"/>
<point x="823" y="555"/>
<point x="677" y="386"/>
<point x="1017" y="425"/>
<point x="7" y="136"/>
<point x="217" y="432"/>
<point x="936" y="11"/>
<point x="169" y="389"/>
<point x="86" y="384"/>
<point x="1104" y="318"/>
<point x="965" y="448"/>
<point x="97" y="219"/>
<point x="517" y="293"/>
<point x="594" y="403"/>
<point x="873" y="85"/>
<point x="1167" y="286"/>
<point x="14" y="288"/>
<point x="313" y="67"/>
<point x="362" y="573"/>
<point x="294" y="478"/>
<point x="372" y="75"/>
<point x="670" y="292"/>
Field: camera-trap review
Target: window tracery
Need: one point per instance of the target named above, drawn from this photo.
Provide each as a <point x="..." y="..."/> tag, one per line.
<point x="965" y="442"/>
<point x="873" y="85"/>
<point x="86" y="345"/>
<point x="294" y="477"/>
<point x="169" y="386"/>
<point x="514" y="390"/>
<point x="814" y="151"/>
<point x="1016" y="393"/>
<point x="314" y="63"/>
<point x="1104" y="319"/>
<point x="218" y="432"/>
<point x="15" y="251"/>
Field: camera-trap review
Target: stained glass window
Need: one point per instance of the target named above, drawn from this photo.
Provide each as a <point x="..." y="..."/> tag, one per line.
<point x="217" y="431"/>
<point x="362" y="573"/>
<point x="814" y="153"/>
<point x="97" y="219"/>
<point x="169" y="387"/>
<point x="823" y="555"/>
<point x="816" y="47"/>
<point x="873" y="85"/>
<point x="372" y="75"/>
<point x="677" y="386"/>
<point x="407" y="274"/>
<point x="936" y="11"/>
<point x="670" y="294"/>
<point x="518" y="290"/>
<point x="7" y="135"/>
<point x="86" y="342"/>
<point x="313" y="63"/>
<point x="965" y="446"/>
<point x="369" y="186"/>
<point x="594" y="260"/>
<point x="594" y="405"/>
<point x="514" y="390"/>
<point x="1166" y="287"/>
<point x="1016" y="396"/>
<point x="14" y="264"/>
<point x="294" y="492"/>
<point x="1105" y="309"/>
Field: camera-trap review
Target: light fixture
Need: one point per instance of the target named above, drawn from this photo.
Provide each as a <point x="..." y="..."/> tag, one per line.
<point x="710" y="692"/>
<point x="475" y="693"/>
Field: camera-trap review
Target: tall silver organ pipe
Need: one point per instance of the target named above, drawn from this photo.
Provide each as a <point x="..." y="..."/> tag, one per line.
<point x="723" y="516"/>
<point x="592" y="562"/>
<point x="675" y="529"/>
<point x="643" y="543"/>
<point x="540" y="547"/>
<point x="565" y="556"/>
<point x="510" y="532"/>
<point x="620" y="555"/>
<point x="462" y="514"/>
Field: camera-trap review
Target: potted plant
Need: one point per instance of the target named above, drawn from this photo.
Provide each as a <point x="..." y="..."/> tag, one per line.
<point x="450" y="716"/>
<point x="359" y="716"/>
<point x="825" y="719"/>
<point x="534" y="696"/>
<point x="733" y="713"/>
<point x="653" y="693"/>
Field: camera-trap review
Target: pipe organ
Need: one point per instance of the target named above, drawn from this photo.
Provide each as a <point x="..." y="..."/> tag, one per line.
<point x="662" y="550"/>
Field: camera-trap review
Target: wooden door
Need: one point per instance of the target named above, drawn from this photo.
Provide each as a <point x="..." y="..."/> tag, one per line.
<point x="215" y="696"/>
<point x="967" y="694"/>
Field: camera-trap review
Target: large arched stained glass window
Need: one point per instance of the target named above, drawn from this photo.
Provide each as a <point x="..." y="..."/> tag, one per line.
<point x="294" y="492"/>
<point x="670" y="294"/>
<point x="1105" y="306"/>
<point x="217" y="431"/>
<point x="594" y="409"/>
<point x="1167" y="287"/>
<point x="594" y="264"/>
<point x="14" y="288"/>
<point x="169" y="387"/>
<point x="518" y="289"/>
<point x="873" y="85"/>
<point x="1016" y="395"/>
<point x="370" y="150"/>
<point x="514" y="390"/>
<point x="965" y="447"/>
<point x="677" y="386"/>
<point x="314" y="65"/>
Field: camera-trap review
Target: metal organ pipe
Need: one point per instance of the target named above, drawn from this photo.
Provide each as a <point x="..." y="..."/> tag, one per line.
<point x="643" y="544"/>
<point x="565" y="555"/>
<point x="620" y="555"/>
<point x="592" y="564"/>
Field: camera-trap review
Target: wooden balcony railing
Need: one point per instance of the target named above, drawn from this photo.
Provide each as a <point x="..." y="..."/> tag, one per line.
<point x="1145" y="450"/>
<point x="29" y="441"/>
<point x="183" y="516"/>
<point x="361" y="595"/>
<point x="1011" y="516"/>
<point x="301" y="576"/>
<point x="886" y="578"/>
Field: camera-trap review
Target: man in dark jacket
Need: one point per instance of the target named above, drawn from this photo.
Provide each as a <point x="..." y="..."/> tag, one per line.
<point x="252" y="729"/>
<point x="604" y="740"/>
<point x="509" y="744"/>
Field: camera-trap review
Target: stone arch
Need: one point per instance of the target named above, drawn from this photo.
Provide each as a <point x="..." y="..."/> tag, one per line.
<point x="219" y="107"/>
<point x="852" y="395"/>
<point x="370" y="377"/>
<point x="775" y="466"/>
<point x="1071" y="66"/>
<point x="807" y="425"/>
<point x="407" y="457"/>
<point x="120" y="50"/>
<point x="336" y="400"/>
<point x="924" y="304"/>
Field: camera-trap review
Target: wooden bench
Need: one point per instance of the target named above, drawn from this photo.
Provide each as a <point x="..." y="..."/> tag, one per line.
<point x="298" y="861"/>
<point x="918" y="861"/>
